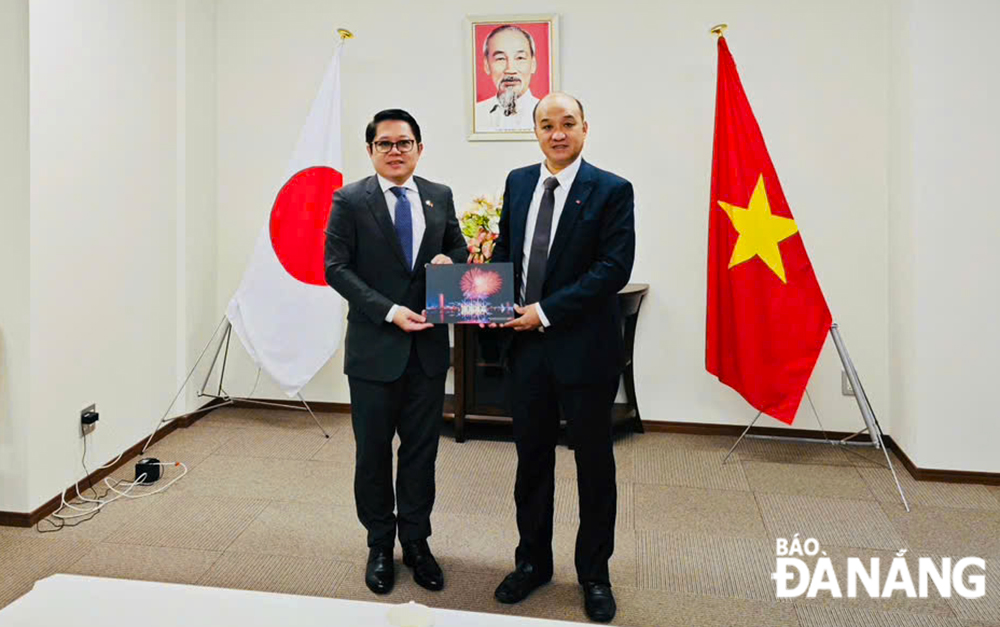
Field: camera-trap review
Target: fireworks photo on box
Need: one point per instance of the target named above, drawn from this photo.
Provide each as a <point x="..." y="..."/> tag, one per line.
<point x="470" y="293"/>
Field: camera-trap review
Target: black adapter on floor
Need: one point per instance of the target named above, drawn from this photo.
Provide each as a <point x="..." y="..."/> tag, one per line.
<point x="150" y="467"/>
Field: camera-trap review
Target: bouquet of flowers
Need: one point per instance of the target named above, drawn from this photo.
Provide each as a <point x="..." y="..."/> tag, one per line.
<point x="481" y="225"/>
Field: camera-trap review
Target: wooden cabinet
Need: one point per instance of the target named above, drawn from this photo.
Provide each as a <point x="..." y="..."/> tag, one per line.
<point x="482" y="390"/>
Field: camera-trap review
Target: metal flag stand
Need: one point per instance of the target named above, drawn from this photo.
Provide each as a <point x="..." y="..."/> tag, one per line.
<point x="871" y="422"/>
<point x="222" y="396"/>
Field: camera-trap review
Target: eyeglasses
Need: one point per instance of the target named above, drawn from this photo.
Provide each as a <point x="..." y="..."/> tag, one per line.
<point x="403" y="145"/>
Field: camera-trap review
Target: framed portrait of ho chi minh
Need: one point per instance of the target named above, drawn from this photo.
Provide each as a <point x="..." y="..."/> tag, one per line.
<point x="513" y="62"/>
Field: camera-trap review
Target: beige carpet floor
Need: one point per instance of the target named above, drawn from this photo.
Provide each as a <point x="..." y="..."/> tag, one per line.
<point x="268" y="505"/>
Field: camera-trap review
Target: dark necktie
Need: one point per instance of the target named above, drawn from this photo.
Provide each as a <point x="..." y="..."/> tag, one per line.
<point x="540" y="243"/>
<point x="404" y="224"/>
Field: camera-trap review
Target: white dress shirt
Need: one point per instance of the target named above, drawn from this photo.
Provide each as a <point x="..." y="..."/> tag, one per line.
<point x="565" y="177"/>
<point x="490" y="117"/>
<point x="417" y="212"/>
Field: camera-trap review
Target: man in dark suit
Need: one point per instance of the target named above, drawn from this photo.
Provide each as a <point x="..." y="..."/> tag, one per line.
<point x="568" y="228"/>
<point x="382" y="231"/>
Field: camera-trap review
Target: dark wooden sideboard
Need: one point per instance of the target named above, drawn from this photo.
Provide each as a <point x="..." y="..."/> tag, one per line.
<point x="482" y="389"/>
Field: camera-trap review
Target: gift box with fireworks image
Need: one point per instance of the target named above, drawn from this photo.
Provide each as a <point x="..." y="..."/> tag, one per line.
<point x="470" y="293"/>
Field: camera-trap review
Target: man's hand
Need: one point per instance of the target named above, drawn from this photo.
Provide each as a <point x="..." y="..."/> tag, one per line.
<point x="409" y="321"/>
<point x="440" y="259"/>
<point x="529" y="320"/>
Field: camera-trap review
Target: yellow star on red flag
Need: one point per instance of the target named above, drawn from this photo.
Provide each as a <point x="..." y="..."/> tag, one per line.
<point x="760" y="231"/>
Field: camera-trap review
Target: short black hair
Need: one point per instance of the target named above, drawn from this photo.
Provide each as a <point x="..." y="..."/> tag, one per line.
<point x="391" y="114"/>
<point x="534" y="111"/>
<point x="500" y="29"/>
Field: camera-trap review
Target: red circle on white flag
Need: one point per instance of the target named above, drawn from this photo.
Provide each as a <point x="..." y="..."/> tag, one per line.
<point x="298" y="222"/>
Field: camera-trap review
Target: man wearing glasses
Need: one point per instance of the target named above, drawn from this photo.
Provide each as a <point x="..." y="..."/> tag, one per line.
<point x="381" y="233"/>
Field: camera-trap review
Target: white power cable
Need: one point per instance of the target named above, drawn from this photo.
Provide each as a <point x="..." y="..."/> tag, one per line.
<point x="127" y="493"/>
<point x="100" y="503"/>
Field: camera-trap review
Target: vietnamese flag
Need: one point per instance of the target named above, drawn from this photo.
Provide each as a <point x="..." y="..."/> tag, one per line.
<point x="767" y="318"/>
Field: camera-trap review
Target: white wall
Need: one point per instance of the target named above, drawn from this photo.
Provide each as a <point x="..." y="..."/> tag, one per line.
<point x="944" y="295"/>
<point x="646" y="74"/>
<point x="15" y="403"/>
<point x="198" y="315"/>
<point x="901" y="219"/>
<point x="121" y="219"/>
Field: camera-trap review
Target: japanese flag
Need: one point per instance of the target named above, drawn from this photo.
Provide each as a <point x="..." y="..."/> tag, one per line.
<point x="287" y="317"/>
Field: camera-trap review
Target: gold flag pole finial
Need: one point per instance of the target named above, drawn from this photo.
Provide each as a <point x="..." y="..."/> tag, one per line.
<point x="345" y="34"/>
<point x="719" y="29"/>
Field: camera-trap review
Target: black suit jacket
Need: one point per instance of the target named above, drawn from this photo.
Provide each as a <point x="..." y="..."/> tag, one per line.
<point x="365" y="264"/>
<point x="590" y="260"/>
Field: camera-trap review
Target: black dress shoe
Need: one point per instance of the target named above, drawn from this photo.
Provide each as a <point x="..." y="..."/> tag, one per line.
<point x="520" y="583"/>
<point x="598" y="602"/>
<point x="380" y="573"/>
<point x="426" y="572"/>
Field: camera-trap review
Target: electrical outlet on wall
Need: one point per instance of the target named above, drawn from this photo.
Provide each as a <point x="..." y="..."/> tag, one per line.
<point x="845" y="384"/>
<point x="88" y="419"/>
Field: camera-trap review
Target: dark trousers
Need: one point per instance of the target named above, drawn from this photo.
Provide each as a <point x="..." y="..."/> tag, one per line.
<point x="537" y="398"/>
<point x="413" y="406"/>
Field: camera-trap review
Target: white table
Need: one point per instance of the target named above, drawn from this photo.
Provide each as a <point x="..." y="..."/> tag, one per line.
<point x="77" y="600"/>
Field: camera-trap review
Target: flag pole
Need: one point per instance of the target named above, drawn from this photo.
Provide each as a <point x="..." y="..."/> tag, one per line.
<point x="742" y="435"/>
<point x="719" y="30"/>
<point x="864" y="405"/>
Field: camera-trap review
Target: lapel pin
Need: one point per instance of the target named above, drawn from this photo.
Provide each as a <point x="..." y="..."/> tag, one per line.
<point x="428" y="203"/>
<point x="578" y="202"/>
